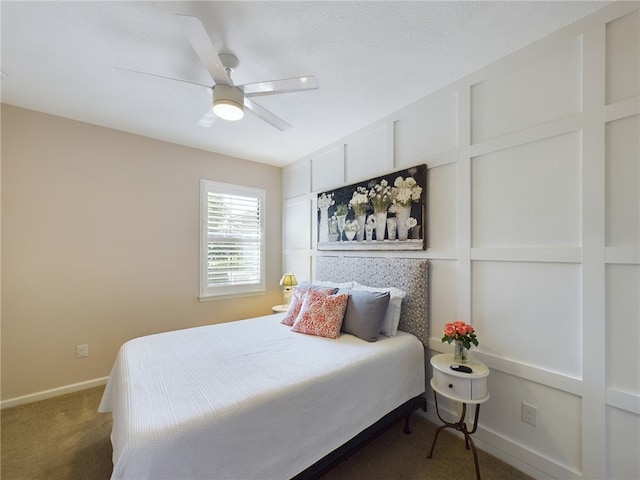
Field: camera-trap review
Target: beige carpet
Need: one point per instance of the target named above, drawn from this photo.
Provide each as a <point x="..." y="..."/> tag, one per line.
<point x="64" y="438"/>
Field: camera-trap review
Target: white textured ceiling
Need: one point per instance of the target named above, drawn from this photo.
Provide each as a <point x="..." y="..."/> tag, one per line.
<point x="370" y="58"/>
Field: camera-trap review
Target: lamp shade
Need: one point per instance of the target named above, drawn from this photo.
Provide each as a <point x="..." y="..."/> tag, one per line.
<point x="228" y="102"/>
<point x="288" y="280"/>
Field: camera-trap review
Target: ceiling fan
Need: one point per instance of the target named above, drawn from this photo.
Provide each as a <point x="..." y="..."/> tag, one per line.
<point x="230" y="100"/>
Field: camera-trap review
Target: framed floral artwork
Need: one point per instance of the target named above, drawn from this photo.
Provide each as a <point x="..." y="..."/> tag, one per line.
<point x="383" y="213"/>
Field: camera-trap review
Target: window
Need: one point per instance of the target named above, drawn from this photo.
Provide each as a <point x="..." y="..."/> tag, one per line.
<point x="232" y="240"/>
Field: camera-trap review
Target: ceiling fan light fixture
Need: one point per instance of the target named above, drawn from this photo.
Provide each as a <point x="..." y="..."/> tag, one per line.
<point x="228" y="102"/>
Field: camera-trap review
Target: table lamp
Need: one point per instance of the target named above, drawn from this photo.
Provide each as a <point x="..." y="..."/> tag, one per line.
<point x="288" y="281"/>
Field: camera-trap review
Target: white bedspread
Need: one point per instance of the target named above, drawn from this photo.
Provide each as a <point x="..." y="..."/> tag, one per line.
<point x="249" y="399"/>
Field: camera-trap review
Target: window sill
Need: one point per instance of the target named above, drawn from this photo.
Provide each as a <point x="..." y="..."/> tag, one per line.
<point x="225" y="296"/>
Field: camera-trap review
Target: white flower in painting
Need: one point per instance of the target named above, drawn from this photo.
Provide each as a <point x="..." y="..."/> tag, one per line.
<point x="325" y="201"/>
<point x="406" y="191"/>
<point x="359" y="201"/>
<point x="381" y="195"/>
<point x="351" y="226"/>
<point x="371" y="220"/>
<point x="411" y="222"/>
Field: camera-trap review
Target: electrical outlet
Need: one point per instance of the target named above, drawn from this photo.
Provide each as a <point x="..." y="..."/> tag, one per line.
<point x="529" y="414"/>
<point x="82" y="351"/>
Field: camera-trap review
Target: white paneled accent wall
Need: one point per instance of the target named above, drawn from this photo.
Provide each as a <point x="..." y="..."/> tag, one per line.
<point x="441" y="231"/>
<point x="622" y="201"/>
<point x="510" y="317"/>
<point x="622" y="59"/>
<point x="528" y="195"/>
<point x="533" y="234"/>
<point x="428" y="131"/>
<point x="623" y="305"/>
<point x="367" y="152"/>
<point x="539" y="89"/>
<point x="297" y="225"/>
<point x="327" y="169"/>
<point x="296" y="180"/>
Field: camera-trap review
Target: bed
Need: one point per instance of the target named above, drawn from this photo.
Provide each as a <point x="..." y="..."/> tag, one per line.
<point x="254" y="399"/>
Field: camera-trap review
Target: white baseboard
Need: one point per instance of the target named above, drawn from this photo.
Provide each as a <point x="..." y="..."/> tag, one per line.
<point x="54" y="392"/>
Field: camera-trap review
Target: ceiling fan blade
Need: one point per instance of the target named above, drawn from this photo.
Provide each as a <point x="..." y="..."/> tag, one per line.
<point x="207" y="118"/>
<point x="201" y="43"/>
<point x="161" y="76"/>
<point x="266" y="115"/>
<point x="285" y="85"/>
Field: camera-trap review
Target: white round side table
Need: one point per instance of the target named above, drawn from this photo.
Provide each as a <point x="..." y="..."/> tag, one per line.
<point x="464" y="387"/>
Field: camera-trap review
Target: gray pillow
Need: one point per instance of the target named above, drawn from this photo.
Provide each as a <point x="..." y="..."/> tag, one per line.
<point x="365" y="314"/>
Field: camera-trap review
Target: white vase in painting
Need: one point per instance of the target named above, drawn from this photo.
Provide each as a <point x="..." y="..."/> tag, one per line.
<point x="323" y="229"/>
<point x="369" y="230"/>
<point x="402" y="214"/>
<point x="361" y="219"/>
<point x="381" y="225"/>
<point x="342" y="220"/>
<point x="391" y="228"/>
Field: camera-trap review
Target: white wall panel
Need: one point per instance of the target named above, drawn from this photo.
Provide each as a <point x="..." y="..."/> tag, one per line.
<point x="428" y="132"/>
<point x="299" y="265"/>
<point x="327" y="169"/>
<point x="554" y="300"/>
<point x="624" y="461"/>
<point x="623" y="58"/>
<point x="296" y="179"/>
<point x="622" y="204"/>
<point x="442" y="297"/>
<point x="297" y="224"/>
<point x="442" y="207"/>
<point x="556" y="436"/>
<point x="366" y="155"/>
<point x="623" y="334"/>
<point x="528" y="195"/>
<point x="542" y="89"/>
<point x="529" y="313"/>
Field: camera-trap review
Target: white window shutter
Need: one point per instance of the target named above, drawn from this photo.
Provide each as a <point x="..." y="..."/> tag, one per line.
<point x="232" y="243"/>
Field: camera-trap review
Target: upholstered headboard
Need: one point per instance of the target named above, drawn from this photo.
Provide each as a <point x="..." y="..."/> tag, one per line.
<point x="407" y="274"/>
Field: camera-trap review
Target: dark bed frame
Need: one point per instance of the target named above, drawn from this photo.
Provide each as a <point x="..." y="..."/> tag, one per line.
<point x="409" y="275"/>
<point x="343" y="452"/>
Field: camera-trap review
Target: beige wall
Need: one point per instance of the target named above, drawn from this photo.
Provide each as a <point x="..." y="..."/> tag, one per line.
<point x="100" y="239"/>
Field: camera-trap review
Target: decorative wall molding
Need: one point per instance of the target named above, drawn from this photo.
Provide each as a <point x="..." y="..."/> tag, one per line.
<point x="567" y="161"/>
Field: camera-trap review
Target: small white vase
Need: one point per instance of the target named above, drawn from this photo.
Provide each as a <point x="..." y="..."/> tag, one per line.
<point x="403" y="214"/>
<point x="381" y="225"/>
<point x="323" y="229"/>
<point x="361" y="219"/>
<point x="391" y="228"/>
<point x="369" y="230"/>
<point x="342" y="219"/>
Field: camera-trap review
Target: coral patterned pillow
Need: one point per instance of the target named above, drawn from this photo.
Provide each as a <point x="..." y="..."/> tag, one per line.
<point x="321" y="315"/>
<point x="296" y="303"/>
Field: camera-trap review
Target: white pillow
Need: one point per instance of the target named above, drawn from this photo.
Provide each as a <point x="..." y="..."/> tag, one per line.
<point x="392" y="317"/>
<point x="321" y="283"/>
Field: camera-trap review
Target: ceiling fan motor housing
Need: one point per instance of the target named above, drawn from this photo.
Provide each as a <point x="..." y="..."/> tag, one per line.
<point x="228" y="102"/>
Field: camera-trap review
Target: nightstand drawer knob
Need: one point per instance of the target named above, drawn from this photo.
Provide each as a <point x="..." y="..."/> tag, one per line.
<point x="451" y="385"/>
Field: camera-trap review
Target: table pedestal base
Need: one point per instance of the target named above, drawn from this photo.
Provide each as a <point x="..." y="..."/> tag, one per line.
<point x="460" y="426"/>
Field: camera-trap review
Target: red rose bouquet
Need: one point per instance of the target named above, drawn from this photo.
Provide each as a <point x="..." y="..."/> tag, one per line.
<point x="461" y="332"/>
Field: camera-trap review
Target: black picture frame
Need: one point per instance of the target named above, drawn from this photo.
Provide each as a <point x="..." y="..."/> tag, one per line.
<point x="338" y="209"/>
